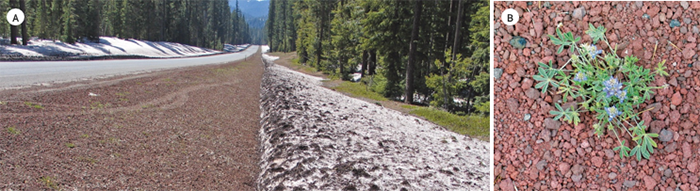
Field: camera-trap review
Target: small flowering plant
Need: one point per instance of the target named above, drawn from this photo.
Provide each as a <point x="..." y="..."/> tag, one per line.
<point x="604" y="83"/>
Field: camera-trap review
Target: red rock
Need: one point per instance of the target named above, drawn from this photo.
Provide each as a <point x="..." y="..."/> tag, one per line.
<point x="513" y="105"/>
<point x="506" y="185"/>
<point x="652" y="11"/>
<point x="527" y="83"/>
<point x="687" y="153"/>
<point x="649" y="182"/>
<point x="688" y="53"/>
<point x="695" y="5"/>
<point x="538" y="28"/>
<point x="510" y="69"/>
<point x="577" y="169"/>
<point x="685" y="187"/>
<point x="532" y="93"/>
<point x="654" y="107"/>
<point x="693" y="118"/>
<point x="546" y="60"/>
<point x="585" y="144"/>
<point x="676" y="99"/>
<point x="693" y="166"/>
<point x="687" y="125"/>
<point x="550" y="123"/>
<point x="564" y="167"/>
<point x="597" y="161"/>
<point x="660" y="81"/>
<point x="533" y="173"/>
<point x="675" y="116"/>
<point x="693" y="180"/>
<point x="619" y="26"/>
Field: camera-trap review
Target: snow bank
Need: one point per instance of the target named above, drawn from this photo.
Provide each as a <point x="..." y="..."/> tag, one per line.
<point x="108" y="46"/>
<point x="313" y="138"/>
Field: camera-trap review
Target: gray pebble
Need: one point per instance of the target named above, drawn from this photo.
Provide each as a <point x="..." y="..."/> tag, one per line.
<point x="527" y="117"/>
<point x="579" y="13"/>
<point x="497" y="72"/>
<point x="668" y="173"/>
<point x="665" y="135"/>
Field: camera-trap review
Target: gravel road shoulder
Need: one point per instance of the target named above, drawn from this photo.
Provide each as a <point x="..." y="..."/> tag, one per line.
<point x="191" y="128"/>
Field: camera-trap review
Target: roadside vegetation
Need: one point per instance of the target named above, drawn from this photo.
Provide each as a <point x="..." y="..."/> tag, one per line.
<point x="432" y="55"/>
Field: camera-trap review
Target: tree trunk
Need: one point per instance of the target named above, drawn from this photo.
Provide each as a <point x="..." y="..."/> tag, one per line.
<point x="411" y="53"/>
<point x="25" y="33"/>
<point x="320" y="34"/>
<point x="13" y="29"/>
<point x="372" y="63"/>
<point x="459" y="25"/>
<point x="365" y="61"/>
<point x="454" y="46"/>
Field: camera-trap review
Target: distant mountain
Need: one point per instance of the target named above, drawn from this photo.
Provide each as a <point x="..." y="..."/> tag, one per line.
<point x="252" y="8"/>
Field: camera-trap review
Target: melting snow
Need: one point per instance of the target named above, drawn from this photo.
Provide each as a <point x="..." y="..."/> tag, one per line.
<point x="108" y="46"/>
<point x="316" y="139"/>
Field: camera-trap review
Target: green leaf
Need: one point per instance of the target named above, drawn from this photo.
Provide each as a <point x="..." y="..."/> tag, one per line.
<point x="637" y="151"/>
<point x="596" y="34"/>
<point x="661" y="69"/>
<point x="539" y="78"/>
<point x="561" y="49"/>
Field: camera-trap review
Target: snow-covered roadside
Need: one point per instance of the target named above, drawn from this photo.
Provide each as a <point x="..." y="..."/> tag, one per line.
<point x="317" y="139"/>
<point x="108" y="46"/>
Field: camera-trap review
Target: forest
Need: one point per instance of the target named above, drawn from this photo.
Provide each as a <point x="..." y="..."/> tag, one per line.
<point x="437" y="51"/>
<point x="209" y="23"/>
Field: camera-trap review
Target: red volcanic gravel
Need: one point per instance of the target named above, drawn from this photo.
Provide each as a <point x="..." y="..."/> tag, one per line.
<point x="543" y="154"/>
<point x="191" y="128"/>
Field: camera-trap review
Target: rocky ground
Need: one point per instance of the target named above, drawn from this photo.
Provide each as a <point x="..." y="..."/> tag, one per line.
<point x="534" y="152"/>
<point x="316" y="139"/>
<point x="191" y="128"/>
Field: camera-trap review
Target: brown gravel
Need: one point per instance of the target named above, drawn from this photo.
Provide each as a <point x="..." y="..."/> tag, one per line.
<point x="539" y="154"/>
<point x="183" y="129"/>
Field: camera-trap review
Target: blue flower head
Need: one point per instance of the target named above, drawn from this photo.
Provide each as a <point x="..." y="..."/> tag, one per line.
<point x="621" y="94"/>
<point x="612" y="112"/>
<point x="580" y="77"/>
<point x="612" y="87"/>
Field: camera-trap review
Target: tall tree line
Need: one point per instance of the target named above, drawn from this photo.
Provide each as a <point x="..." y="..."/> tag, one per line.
<point x="431" y="48"/>
<point x="204" y="23"/>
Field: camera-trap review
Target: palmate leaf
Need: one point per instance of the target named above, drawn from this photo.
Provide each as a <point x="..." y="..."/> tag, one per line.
<point x="569" y="115"/>
<point x="638" y="152"/>
<point x="661" y="69"/>
<point x="555" y="40"/>
<point x="596" y="33"/>
<point x="546" y="77"/>
<point x="649" y="143"/>
<point x="624" y="150"/>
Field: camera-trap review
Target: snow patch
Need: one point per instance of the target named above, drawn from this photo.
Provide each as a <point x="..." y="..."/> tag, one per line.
<point x="313" y="138"/>
<point x="107" y="46"/>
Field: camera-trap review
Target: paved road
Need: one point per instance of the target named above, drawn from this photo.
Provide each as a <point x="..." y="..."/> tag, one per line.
<point x="17" y="74"/>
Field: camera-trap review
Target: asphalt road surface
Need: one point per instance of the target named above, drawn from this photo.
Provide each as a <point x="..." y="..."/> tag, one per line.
<point x="22" y="74"/>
